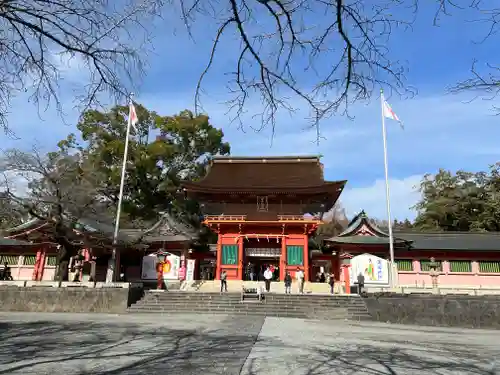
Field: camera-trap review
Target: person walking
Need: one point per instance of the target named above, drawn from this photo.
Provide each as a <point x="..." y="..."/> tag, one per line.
<point x="299" y="275"/>
<point x="223" y="281"/>
<point x="331" y="281"/>
<point x="288" y="283"/>
<point x="268" y="275"/>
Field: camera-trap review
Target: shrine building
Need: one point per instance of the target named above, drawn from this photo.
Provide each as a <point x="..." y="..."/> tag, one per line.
<point x="264" y="210"/>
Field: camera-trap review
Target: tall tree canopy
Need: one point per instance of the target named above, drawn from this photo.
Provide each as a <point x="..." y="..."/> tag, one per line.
<point x="461" y="201"/>
<point x="179" y="149"/>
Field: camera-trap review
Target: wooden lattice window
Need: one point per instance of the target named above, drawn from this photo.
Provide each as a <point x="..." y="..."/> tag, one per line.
<point x="229" y="254"/>
<point x="425" y="265"/>
<point x="11" y="259"/>
<point x="460" y="266"/>
<point x="51" y="260"/>
<point x="295" y="255"/>
<point x="29" y="260"/>
<point x="489" y="266"/>
<point x="405" y="265"/>
<point x="262" y="204"/>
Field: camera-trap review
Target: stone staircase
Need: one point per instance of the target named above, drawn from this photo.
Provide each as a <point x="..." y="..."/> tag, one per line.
<point x="307" y="306"/>
<point x="235" y="286"/>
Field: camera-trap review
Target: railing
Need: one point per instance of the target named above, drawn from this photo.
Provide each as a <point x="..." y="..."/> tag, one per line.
<point x="297" y="218"/>
<point x="225" y="217"/>
<point x="244" y="218"/>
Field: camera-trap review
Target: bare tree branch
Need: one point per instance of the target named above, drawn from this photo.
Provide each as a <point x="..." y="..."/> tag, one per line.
<point x="343" y="44"/>
<point x="484" y="79"/>
<point x="38" y="37"/>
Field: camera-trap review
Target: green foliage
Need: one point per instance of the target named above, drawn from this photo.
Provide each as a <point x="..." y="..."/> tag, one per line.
<point x="461" y="201"/>
<point x="179" y="151"/>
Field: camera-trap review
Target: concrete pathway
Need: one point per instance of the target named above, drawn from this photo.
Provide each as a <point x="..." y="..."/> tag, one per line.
<point x="202" y="344"/>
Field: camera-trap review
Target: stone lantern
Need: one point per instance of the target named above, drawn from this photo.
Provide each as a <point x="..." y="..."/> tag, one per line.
<point x="434" y="272"/>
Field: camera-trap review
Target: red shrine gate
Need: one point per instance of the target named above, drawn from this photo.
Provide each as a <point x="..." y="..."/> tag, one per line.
<point x="264" y="210"/>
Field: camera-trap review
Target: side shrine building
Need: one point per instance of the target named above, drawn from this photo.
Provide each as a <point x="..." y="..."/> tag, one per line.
<point x="264" y="210"/>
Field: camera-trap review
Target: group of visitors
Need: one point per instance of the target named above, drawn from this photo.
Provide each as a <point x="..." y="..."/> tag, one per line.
<point x="256" y="273"/>
<point x="269" y="275"/>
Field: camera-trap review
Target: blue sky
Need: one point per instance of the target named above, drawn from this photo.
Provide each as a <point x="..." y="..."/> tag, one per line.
<point x="441" y="130"/>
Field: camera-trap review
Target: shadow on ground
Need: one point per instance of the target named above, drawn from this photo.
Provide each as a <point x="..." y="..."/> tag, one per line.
<point x="100" y="348"/>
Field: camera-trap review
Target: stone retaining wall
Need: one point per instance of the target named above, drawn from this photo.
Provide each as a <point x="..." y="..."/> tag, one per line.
<point x="435" y="310"/>
<point x="77" y="300"/>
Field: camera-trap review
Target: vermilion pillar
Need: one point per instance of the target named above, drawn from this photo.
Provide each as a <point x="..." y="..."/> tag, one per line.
<point x="306" y="258"/>
<point x="283" y="259"/>
<point x="240" y="258"/>
<point x="39" y="265"/>
<point x="219" y="257"/>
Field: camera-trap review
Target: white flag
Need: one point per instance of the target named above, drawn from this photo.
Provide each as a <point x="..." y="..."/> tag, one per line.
<point x="132" y="116"/>
<point x="389" y="113"/>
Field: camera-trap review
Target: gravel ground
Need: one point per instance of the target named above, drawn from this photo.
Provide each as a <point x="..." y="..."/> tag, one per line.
<point x="203" y="344"/>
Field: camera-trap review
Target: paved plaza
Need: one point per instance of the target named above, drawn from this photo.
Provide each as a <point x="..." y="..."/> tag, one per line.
<point x="199" y="344"/>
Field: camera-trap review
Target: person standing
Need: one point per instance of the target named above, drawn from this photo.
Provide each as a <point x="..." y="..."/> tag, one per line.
<point x="361" y="283"/>
<point x="268" y="275"/>
<point x="288" y="283"/>
<point x="299" y="275"/>
<point x="331" y="281"/>
<point x="223" y="281"/>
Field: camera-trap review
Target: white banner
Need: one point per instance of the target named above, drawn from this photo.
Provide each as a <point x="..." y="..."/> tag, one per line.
<point x="374" y="269"/>
<point x="190" y="269"/>
<point x="171" y="267"/>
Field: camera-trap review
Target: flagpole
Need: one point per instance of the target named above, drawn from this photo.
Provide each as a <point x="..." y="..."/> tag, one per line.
<point x="387" y="194"/>
<point x="112" y="266"/>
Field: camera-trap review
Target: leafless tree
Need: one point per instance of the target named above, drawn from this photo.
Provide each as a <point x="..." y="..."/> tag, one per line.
<point x="38" y="38"/>
<point x="341" y="46"/>
<point x="10" y="213"/>
<point x="62" y="189"/>
<point x="484" y="78"/>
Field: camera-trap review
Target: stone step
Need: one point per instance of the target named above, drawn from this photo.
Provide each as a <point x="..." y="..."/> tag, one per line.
<point x="321" y="307"/>
<point x="249" y="306"/>
<point x="338" y="313"/>
<point x="287" y="313"/>
<point x="194" y="295"/>
<point x="290" y="314"/>
<point x="245" y="313"/>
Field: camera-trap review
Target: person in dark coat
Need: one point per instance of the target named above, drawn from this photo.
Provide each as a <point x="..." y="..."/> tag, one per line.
<point x="331" y="281"/>
<point x="361" y="283"/>
<point x="288" y="283"/>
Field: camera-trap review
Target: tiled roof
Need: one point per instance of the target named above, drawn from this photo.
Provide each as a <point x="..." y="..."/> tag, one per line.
<point x="265" y="173"/>
<point x="460" y="241"/>
<point x="12" y="242"/>
<point x="358" y="221"/>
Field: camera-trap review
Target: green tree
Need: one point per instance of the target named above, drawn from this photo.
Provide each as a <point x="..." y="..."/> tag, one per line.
<point x="461" y="201"/>
<point x="180" y="149"/>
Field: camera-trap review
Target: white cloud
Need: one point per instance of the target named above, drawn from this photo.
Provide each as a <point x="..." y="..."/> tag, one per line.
<point x="372" y="198"/>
